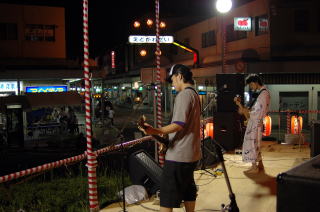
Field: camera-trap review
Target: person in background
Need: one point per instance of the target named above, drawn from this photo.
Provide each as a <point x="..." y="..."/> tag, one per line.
<point x="110" y="113"/>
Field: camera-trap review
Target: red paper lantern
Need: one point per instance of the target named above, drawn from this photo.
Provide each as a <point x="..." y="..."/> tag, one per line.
<point x="209" y="129"/>
<point x="267" y="123"/>
<point x="296" y="124"/>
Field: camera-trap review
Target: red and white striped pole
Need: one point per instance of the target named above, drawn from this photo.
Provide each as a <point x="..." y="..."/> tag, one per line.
<point x="92" y="157"/>
<point x="158" y="78"/>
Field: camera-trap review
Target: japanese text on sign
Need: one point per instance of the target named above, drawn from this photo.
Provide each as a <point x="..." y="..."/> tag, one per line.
<point x="149" y="39"/>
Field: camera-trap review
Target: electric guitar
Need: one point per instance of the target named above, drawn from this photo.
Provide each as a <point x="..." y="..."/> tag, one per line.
<point x="242" y="109"/>
<point x="164" y="140"/>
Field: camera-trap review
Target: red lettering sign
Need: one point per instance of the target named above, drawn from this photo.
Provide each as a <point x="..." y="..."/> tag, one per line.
<point x="243" y="22"/>
<point x="263" y="23"/>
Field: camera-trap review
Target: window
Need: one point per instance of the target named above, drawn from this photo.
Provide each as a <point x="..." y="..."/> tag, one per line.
<point x="301" y="21"/>
<point x="232" y="35"/>
<point x="209" y="39"/>
<point x="261" y="25"/>
<point x="39" y="32"/>
<point x="8" y="31"/>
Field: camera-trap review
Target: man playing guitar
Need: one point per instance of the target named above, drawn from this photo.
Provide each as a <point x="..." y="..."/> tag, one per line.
<point x="177" y="181"/>
<point x="255" y="114"/>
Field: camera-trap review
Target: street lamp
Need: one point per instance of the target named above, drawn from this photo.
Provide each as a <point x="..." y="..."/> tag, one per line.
<point x="223" y="6"/>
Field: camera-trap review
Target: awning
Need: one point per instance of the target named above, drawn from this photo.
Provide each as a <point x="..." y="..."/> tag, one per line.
<point x="54" y="99"/>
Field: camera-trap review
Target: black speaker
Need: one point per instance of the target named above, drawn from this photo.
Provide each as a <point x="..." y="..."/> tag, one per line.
<point x="210" y="157"/>
<point x="144" y="170"/>
<point x="228" y="129"/>
<point x="299" y="188"/>
<point x="315" y="139"/>
<point x="228" y="86"/>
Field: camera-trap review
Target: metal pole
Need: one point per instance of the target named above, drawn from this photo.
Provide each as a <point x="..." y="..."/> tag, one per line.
<point x="279" y="126"/>
<point x="223" y="40"/>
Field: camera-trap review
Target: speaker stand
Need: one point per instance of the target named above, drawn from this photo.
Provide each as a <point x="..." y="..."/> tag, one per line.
<point x="202" y="161"/>
<point x="232" y="206"/>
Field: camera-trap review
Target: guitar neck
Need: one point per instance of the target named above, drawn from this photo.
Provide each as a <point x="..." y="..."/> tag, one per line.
<point x="161" y="139"/>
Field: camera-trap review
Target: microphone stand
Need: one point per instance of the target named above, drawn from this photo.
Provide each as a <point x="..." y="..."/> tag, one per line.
<point x="232" y="206"/>
<point x="123" y="156"/>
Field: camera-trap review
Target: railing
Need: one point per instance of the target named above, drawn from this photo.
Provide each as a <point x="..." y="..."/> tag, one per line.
<point x="281" y="123"/>
<point x="56" y="164"/>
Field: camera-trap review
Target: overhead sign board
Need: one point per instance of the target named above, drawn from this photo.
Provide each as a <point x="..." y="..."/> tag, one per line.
<point x="46" y="89"/>
<point x="242" y="24"/>
<point x="149" y="39"/>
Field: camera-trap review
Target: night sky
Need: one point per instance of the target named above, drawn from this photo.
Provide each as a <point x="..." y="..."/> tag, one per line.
<point x="110" y="21"/>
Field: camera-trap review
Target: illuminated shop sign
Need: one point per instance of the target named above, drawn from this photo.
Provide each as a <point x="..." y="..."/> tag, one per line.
<point x="149" y="39"/>
<point x="46" y="89"/>
<point x="242" y="24"/>
<point x="263" y="24"/>
<point x="8" y="86"/>
<point x="202" y="92"/>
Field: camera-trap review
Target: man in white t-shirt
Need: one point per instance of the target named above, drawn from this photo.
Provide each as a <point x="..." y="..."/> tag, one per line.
<point x="177" y="182"/>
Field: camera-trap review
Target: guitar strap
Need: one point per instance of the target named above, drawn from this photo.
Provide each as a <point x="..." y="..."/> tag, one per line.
<point x="254" y="101"/>
<point x="197" y="95"/>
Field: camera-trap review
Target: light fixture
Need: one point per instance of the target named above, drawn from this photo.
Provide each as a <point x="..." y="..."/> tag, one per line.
<point x="143" y="52"/>
<point x="136" y="85"/>
<point x="149" y="22"/>
<point x="136" y="24"/>
<point x="162" y="24"/>
<point x="158" y="53"/>
<point x="223" y="6"/>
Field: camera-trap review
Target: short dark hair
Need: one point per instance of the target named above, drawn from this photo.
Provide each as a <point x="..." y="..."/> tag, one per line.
<point x="254" y="78"/>
<point x="185" y="71"/>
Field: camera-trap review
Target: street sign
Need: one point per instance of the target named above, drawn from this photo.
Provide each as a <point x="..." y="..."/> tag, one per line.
<point x="149" y="39"/>
<point x="242" y="24"/>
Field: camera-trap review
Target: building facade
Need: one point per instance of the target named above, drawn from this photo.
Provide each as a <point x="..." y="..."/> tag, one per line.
<point x="32" y="31"/>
